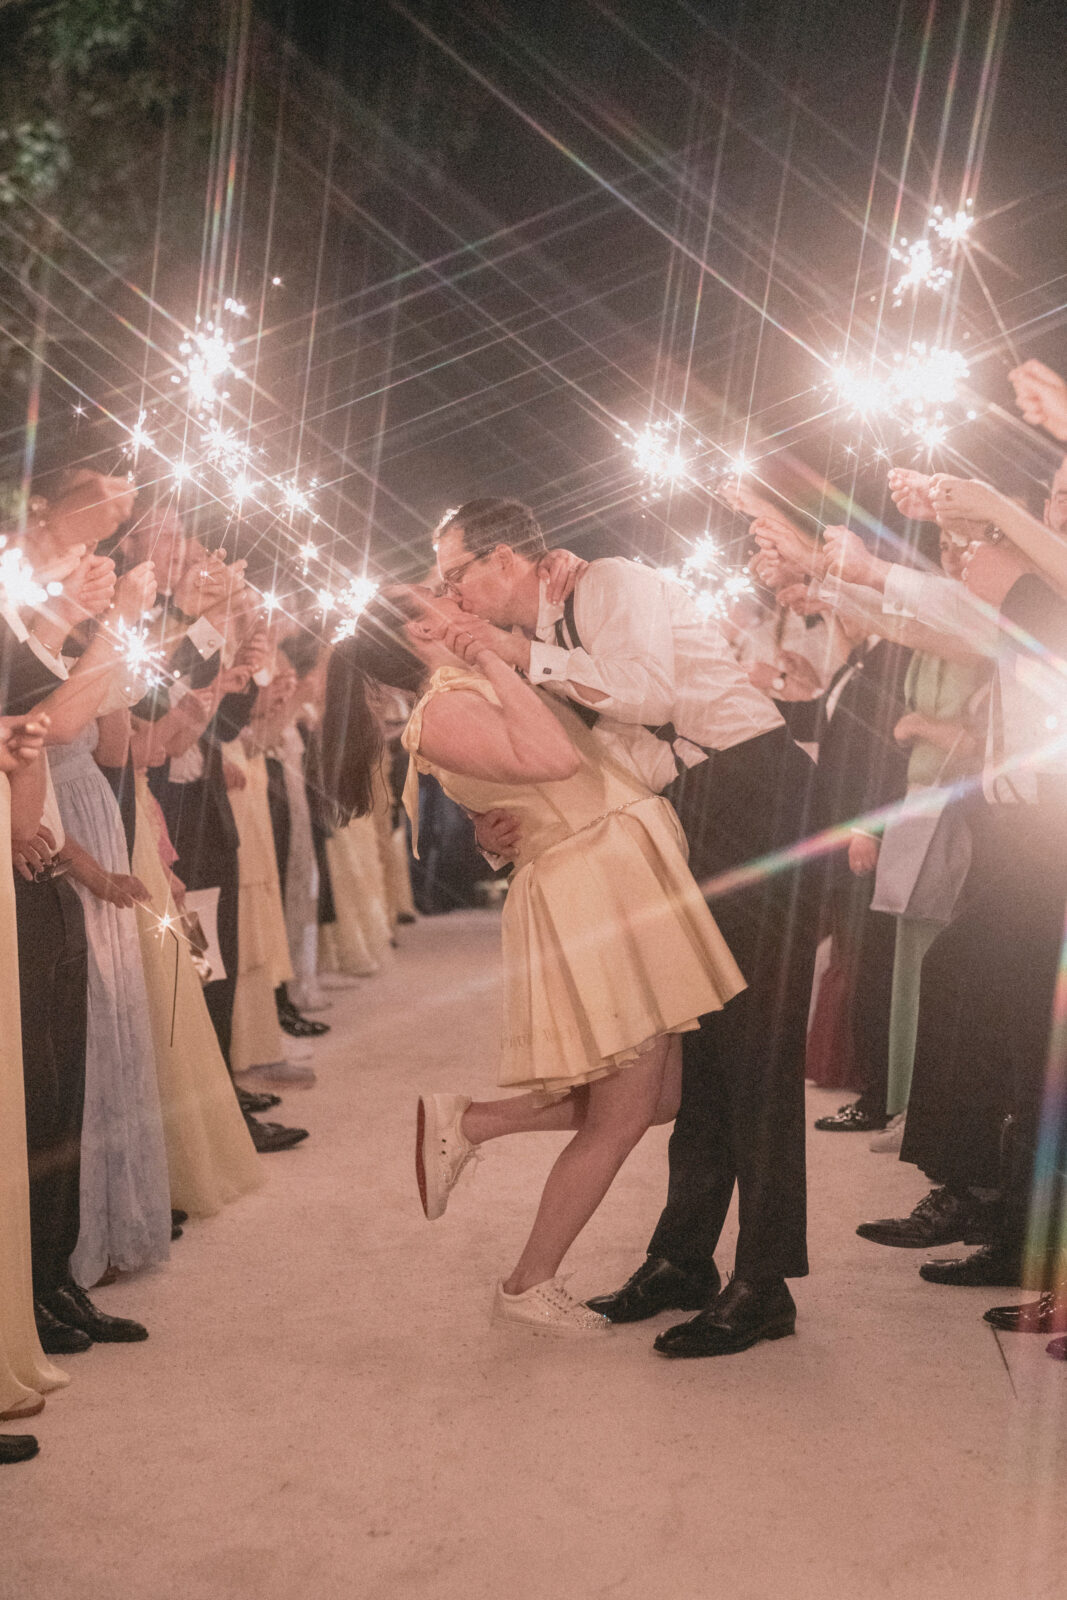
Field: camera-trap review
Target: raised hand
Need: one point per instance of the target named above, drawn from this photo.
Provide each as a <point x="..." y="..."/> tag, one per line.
<point x="796" y="555"/>
<point x="233" y="777"/>
<point x="22" y="740"/>
<point x="802" y="599"/>
<point x="862" y="855"/>
<point x="848" y="557"/>
<point x="135" y="593"/>
<point x="469" y="639"/>
<point x="910" y="493"/>
<point x="963" y="499"/>
<point x="1041" y="396"/>
<point x="561" y="570"/>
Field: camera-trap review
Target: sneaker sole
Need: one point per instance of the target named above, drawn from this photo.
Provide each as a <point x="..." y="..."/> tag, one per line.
<point x="546" y="1331"/>
<point x="420" y="1156"/>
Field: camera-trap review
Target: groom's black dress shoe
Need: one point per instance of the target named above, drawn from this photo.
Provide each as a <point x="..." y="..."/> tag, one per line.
<point x="17" y="1447"/>
<point x="658" y="1286"/>
<point x="743" y="1314"/>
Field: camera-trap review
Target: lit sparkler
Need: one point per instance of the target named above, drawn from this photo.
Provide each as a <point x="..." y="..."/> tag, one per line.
<point x="915" y="392"/>
<point x="208" y="361"/>
<point x="142" y="656"/>
<point x="18" y="584"/>
<point x="352" y="600"/>
<point x="926" y="260"/>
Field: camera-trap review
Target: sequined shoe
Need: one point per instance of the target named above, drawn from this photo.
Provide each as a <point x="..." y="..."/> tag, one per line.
<point x="547" y="1308"/>
<point x="442" y="1149"/>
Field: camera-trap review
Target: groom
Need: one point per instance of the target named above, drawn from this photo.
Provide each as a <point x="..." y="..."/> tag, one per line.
<point x="664" y="694"/>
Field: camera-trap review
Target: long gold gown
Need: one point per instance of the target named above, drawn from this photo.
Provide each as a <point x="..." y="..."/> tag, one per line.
<point x="263" y="947"/>
<point x="607" y="941"/>
<point x="210" y="1156"/>
<point x="25" y="1370"/>
<point x="357" y="941"/>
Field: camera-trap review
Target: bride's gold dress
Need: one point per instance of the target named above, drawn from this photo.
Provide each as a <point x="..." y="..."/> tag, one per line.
<point x="607" y="940"/>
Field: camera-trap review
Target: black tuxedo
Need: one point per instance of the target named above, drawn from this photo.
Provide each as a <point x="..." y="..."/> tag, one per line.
<point x="987" y="1091"/>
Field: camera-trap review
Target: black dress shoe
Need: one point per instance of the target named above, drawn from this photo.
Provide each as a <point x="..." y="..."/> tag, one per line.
<point x="852" y="1119"/>
<point x="72" y="1305"/>
<point x="17" y="1447"/>
<point x="658" y="1286"/>
<point x="270" y="1136"/>
<point x="59" y="1338"/>
<point x="994" y="1266"/>
<point x="257" y="1102"/>
<point x="743" y="1314"/>
<point x="294" y="1023"/>
<point x="941" y="1217"/>
<point x="1046" y="1314"/>
<point x="1057" y="1349"/>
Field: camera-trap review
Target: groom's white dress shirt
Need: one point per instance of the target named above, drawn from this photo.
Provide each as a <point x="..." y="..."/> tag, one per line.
<point x="650" y="658"/>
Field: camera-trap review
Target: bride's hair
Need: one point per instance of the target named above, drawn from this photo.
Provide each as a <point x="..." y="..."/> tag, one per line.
<point x="377" y="652"/>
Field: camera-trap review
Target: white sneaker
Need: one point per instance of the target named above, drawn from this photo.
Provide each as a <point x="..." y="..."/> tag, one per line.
<point x="889" y="1141"/>
<point x="548" y="1308"/>
<point x="442" y="1150"/>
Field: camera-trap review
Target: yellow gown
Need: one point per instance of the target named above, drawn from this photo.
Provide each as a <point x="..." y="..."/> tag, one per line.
<point x="25" y="1370"/>
<point x="264" y="949"/>
<point x="356" y="942"/>
<point x="210" y="1156"/>
<point x="607" y="940"/>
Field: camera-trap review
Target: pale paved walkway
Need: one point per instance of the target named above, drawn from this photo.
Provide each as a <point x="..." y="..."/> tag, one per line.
<point x="323" y="1411"/>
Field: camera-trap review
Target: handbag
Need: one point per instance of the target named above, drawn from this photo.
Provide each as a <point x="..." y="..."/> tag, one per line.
<point x="924" y="858"/>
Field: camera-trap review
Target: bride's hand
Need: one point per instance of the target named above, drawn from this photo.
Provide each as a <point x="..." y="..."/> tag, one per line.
<point x="474" y="641"/>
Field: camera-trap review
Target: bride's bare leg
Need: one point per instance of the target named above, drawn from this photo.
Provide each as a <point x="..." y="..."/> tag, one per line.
<point x="670" y="1094"/>
<point x="491" y="1119"/>
<point x="620" y="1110"/>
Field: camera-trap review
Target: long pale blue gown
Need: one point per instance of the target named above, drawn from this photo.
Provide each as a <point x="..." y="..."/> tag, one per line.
<point x="125" y="1193"/>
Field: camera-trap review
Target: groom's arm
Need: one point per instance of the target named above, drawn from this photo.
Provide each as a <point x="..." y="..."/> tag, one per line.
<point x="625" y="665"/>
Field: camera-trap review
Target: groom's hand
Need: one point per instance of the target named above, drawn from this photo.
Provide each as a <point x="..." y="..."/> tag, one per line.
<point x="497" y="833"/>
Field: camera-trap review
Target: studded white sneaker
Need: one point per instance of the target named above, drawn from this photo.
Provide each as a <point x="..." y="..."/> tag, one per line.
<point x="442" y="1149"/>
<point x="548" y="1308"/>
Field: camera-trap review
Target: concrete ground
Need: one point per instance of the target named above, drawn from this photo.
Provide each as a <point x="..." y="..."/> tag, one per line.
<point x="323" y="1410"/>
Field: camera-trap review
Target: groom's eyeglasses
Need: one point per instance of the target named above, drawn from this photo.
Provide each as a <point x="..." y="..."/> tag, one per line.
<point x="453" y="577"/>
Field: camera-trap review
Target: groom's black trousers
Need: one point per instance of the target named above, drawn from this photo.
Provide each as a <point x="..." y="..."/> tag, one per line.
<point x="741" y="1119"/>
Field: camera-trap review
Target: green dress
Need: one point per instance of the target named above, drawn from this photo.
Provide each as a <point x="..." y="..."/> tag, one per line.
<point x="944" y="691"/>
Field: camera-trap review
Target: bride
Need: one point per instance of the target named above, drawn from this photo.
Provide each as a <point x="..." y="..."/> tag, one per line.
<point x="610" y="952"/>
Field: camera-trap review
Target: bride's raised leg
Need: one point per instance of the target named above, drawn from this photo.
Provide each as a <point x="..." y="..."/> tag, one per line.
<point x="492" y="1119"/>
<point x="620" y="1109"/>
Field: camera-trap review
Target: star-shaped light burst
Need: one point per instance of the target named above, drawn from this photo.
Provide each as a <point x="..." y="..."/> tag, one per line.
<point x="142" y="656"/>
<point x="351" y="602"/>
<point x="208" y="363"/>
<point x="926" y="260"/>
<point x="917" y="392"/>
<point x="18" y="583"/>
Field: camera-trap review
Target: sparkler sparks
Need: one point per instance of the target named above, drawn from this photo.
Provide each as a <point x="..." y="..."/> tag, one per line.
<point x="208" y="361"/>
<point x="351" y="602"/>
<point x="926" y="260"/>
<point x="142" y="656"/>
<point x="18" y="583"/>
<point x="914" y="393"/>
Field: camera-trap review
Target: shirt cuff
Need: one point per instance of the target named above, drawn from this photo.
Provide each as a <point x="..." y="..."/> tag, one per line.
<point x="205" y="637"/>
<point x="549" y="663"/>
<point x="902" y="591"/>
